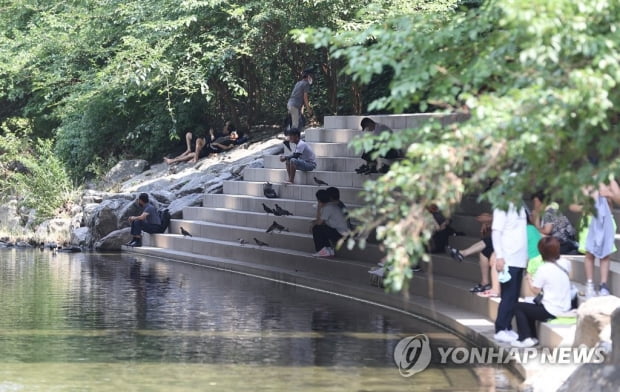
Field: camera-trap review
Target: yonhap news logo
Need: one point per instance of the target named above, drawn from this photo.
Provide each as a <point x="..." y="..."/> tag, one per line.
<point x="413" y="354"/>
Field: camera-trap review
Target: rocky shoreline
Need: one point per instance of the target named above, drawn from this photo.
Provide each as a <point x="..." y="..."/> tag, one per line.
<point x="98" y="219"/>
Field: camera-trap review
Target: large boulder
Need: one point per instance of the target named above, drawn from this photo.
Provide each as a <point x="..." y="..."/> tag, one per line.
<point x="594" y="320"/>
<point x="114" y="240"/>
<point x="195" y="184"/>
<point x="81" y="237"/>
<point x="57" y="229"/>
<point x="176" y="207"/>
<point x="125" y="170"/>
<point x="106" y="218"/>
<point x="9" y="217"/>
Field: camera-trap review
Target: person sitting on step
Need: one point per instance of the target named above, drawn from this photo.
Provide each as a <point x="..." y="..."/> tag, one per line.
<point x="551" y="221"/>
<point x="329" y="226"/>
<point x="302" y="158"/>
<point x="489" y="283"/>
<point x="368" y="125"/>
<point x="553" y="280"/>
<point x="148" y="221"/>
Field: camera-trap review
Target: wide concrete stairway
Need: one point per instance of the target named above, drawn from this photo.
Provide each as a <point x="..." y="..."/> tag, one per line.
<point x="225" y="228"/>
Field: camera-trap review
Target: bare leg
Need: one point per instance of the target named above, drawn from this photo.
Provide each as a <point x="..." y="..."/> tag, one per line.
<point x="475" y="248"/>
<point x="484" y="269"/>
<point x="604" y="269"/>
<point x="589" y="266"/>
<point x="188" y="142"/>
<point x="181" y="158"/>
<point x="200" y="143"/>
<point x="291" y="175"/>
<point x="288" y="170"/>
<point x="495" y="286"/>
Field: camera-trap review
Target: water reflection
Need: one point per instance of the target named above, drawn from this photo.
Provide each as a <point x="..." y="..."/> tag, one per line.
<point x="91" y="322"/>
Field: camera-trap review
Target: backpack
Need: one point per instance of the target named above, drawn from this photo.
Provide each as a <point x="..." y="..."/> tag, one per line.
<point x="164" y="218"/>
<point x="269" y="192"/>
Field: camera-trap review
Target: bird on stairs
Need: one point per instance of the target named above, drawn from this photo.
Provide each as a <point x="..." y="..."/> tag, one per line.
<point x="185" y="232"/>
<point x="260" y="243"/>
<point x="320" y="182"/>
<point x="276" y="226"/>
<point x="268" y="210"/>
<point x="279" y="211"/>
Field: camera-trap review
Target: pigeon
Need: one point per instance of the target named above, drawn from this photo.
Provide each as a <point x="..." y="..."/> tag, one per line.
<point x="276" y="226"/>
<point x="281" y="211"/>
<point x="185" y="232"/>
<point x="260" y="243"/>
<point x="268" y="210"/>
<point x="320" y="182"/>
<point x="242" y="241"/>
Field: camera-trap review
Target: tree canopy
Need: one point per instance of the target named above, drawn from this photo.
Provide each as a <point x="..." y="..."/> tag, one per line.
<point x="539" y="80"/>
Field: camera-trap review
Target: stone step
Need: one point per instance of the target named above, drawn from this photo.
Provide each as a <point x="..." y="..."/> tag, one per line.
<point x="305" y="208"/>
<point x="337" y="179"/>
<point x="338" y="164"/>
<point x="322" y="149"/>
<point x="394" y="121"/>
<point x="326" y="135"/>
<point x="296" y="241"/>
<point x="268" y="256"/>
<point x="258" y="220"/>
<point x="468" y="270"/>
<point x="348" y="195"/>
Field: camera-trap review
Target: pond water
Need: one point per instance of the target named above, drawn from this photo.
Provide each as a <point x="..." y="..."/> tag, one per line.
<point x="113" y="322"/>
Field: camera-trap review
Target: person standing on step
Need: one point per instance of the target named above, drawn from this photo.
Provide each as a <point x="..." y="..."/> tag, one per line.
<point x="148" y="221"/>
<point x="599" y="242"/>
<point x="509" y="236"/>
<point x="302" y="158"/>
<point x="299" y="99"/>
<point x="369" y="125"/>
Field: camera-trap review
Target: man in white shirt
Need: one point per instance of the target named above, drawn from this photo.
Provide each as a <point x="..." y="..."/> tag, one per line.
<point x="510" y="243"/>
<point x="302" y="158"/>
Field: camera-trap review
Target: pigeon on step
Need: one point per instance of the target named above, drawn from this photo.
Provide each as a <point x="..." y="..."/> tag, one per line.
<point x="268" y="210"/>
<point x="242" y="241"/>
<point x="260" y="243"/>
<point x="185" y="232"/>
<point x="279" y="211"/>
<point x="320" y="182"/>
<point x="276" y="226"/>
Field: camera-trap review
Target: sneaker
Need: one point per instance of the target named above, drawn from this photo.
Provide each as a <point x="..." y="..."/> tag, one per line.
<point x="455" y="254"/>
<point x="332" y="252"/>
<point x="603" y="290"/>
<point x="323" y="253"/>
<point x="590" y="292"/>
<point x="479" y="288"/>
<point x="416" y="268"/>
<point x="527" y="342"/>
<point x="513" y="334"/>
<point x="505" y="337"/>
<point x="135" y="243"/>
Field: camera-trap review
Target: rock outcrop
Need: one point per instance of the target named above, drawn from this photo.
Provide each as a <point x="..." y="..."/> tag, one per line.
<point x="99" y="220"/>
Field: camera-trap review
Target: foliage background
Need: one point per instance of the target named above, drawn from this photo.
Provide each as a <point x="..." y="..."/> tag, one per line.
<point x="108" y="79"/>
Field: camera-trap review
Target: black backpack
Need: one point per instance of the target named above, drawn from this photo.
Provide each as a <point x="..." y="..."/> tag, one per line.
<point x="164" y="218"/>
